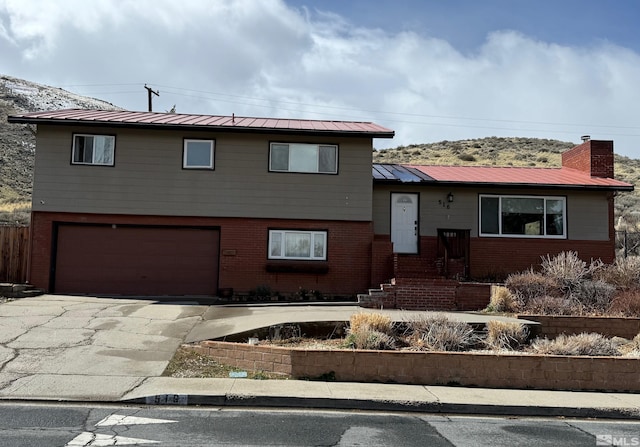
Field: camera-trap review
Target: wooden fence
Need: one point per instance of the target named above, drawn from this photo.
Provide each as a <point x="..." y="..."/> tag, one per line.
<point x="14" y="253"/>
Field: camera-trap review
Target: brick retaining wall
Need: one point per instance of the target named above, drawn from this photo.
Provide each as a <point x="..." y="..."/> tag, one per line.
<point x="436" y="368"/>
<point x="552" y="326"/>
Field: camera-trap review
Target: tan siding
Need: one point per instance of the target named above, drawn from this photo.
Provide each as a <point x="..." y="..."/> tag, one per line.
<point x="148" y="178"/>
<point x="587" y="212"/>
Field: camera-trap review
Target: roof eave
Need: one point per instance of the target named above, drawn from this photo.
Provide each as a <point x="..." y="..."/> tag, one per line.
<point x="512" y="185"/>
<point x="232" y="129"/>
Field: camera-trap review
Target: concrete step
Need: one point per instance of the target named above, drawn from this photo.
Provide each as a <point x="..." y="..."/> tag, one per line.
<point x="19" y="290"/>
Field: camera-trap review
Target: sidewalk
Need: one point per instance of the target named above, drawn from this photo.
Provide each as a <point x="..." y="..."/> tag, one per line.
<point x="68" y="348"/>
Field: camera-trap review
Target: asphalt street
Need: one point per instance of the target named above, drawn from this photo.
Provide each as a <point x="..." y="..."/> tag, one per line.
<point x="72" y="425"/>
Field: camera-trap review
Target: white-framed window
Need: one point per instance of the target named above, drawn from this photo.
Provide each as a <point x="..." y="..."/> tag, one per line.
<point x="198" y="154"/>
<point x="523" y="216"/>
<point x="91" y="149"/>
<point x="303" y="157"/>
<point x="298" y="244"/>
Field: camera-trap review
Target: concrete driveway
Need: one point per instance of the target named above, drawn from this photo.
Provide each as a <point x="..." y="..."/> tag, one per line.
<point x="72" y="347"/>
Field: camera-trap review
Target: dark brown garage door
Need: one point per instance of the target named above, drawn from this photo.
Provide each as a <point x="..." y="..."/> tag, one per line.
<point x="133" y="260"/>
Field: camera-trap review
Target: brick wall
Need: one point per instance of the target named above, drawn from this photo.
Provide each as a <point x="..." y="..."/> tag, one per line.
<point x="473" y="296"/>
<point x="595" y="157"/>
<point x="497" y="257"/>
<point x="437" y="368"/>
<point x="243" y="251"/>
<point x="552" y="326"/>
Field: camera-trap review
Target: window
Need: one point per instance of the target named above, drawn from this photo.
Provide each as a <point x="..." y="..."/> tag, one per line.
<point x="198" y="154"/>
<point x="93" y="149"/>
<point x="298" y="244"/>
<point x="528" y="216"/>
<point x="299" y="157"/>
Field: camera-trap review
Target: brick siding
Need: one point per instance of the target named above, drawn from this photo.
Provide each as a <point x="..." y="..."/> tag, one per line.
<point x="243" y="251"/>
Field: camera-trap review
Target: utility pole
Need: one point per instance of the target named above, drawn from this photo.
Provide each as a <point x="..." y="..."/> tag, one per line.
<point x="151" y="92"/>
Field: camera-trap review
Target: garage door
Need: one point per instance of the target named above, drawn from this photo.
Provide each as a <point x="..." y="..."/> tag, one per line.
<point x="134" y="260"/>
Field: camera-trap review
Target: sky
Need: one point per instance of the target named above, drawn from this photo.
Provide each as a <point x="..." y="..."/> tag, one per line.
<point x="431" y="70"/>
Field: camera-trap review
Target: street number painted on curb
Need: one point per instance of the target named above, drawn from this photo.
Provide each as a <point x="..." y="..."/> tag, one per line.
<point x="168" y="399"/>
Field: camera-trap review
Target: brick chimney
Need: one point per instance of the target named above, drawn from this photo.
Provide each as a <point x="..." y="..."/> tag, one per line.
<point x="595" y="157"/>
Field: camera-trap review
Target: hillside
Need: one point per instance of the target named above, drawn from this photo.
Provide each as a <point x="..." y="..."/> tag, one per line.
<point x="17" y="141"/>
<point x="17" y="147"/>
<point x="494" y="151"/>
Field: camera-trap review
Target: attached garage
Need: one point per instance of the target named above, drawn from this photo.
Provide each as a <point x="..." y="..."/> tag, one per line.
<point x="135" y="260"/>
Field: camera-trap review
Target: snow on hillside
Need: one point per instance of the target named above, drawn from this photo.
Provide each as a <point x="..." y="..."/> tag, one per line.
<point x="32" y="97"/>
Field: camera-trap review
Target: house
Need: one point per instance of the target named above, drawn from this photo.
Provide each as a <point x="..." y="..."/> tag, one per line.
<point x="134" y="203"/>
<point x="137" y="203"/>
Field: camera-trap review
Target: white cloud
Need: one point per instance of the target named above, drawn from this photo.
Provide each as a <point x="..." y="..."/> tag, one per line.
<point x="260" y="57"/>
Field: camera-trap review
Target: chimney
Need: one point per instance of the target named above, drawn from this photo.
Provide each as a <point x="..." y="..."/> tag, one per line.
<point x="594" y="157"/>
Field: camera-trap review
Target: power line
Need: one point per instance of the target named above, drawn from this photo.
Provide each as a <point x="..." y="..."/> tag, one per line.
<point x="206" y="95"/>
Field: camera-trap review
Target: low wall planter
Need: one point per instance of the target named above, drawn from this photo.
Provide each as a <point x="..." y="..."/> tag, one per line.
<point x="467" y="369"/>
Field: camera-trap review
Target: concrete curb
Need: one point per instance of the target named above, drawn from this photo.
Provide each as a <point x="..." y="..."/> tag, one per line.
<point x="234" y="400"/>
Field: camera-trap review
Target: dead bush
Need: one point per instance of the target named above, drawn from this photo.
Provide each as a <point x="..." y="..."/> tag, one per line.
<point x="370" y="339"/>
<point x="568" y="270"/>
<point x="592" y="344"/>
<point x="552" y="305"/>
<point x="366" y="322"/>
<point x="624" y="273"/>
<point x="502" y="300"/>
<point x="625" y="304"/>
<point x="528" y="285"/>
<point x="439" y="333"/>
<point x="593" y="296"/>
<point x="506" y="335"/>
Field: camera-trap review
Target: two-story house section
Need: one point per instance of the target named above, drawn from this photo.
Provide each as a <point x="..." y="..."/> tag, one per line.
<point x="137" y="203"/>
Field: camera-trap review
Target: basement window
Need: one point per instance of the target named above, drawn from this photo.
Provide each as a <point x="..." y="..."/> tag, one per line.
<point x="523" y="216"/>
<point x="298" y="244"/>
<point x="93" y="149"/>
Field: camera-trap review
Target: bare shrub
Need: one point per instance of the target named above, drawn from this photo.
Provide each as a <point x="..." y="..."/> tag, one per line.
<point x="626" y="304"/>
<point x="439" y="333"/>
<point x="593" y="296"/>
<point x="528" y="285"/>
<point x="506" y="335"/>
<point x="568" y="269"/>
<point x="580" y="344"/>
<point x="370" y="339"/>
<point x="502" y="300"/>
<point x="624" y="273"/>
<point x="364" y="322"/>
<point x="552" y="305"/>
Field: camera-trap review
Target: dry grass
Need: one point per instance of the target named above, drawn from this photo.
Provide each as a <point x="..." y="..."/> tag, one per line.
<point x="439" y="333"/>
<point x="502" y="300"/>
<point x="506" y="335"/>
<point x="365" y="322"/>
<point x="187" y="363"/>
<point x="370" y="339"/>
<point x="591" y="344"/>
<point x="552" y="305"/>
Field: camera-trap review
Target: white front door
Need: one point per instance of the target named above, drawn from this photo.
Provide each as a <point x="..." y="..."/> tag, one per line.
<point x="404" y="223"/>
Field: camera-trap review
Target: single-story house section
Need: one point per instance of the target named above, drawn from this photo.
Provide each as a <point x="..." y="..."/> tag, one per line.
<point x="140" y="203"/>
<point x="486" y="222"/>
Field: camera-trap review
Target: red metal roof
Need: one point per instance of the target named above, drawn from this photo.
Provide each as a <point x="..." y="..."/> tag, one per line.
<point x="489" y="175"/>
<point x="226" y="123"/>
